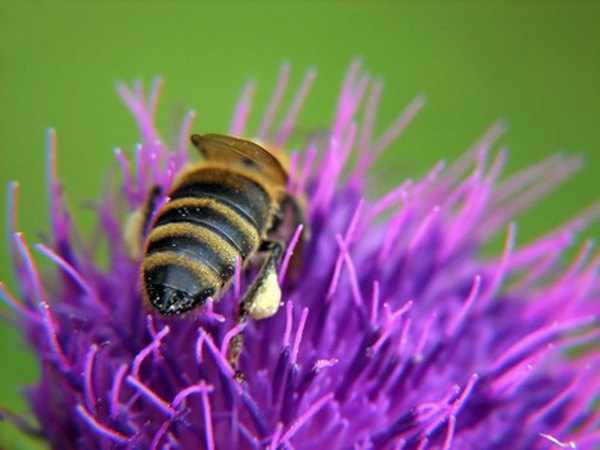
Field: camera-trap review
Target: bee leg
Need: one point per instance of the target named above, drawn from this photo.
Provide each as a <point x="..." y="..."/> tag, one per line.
<point x="153" y="198"/>
<point x="260" y="301"/>
<point x="297" y="212"/>
<point x="138" y="223"/>
<point x="289" y="201"/>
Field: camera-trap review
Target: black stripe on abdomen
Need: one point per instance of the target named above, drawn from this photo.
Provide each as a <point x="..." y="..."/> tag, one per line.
<point x="195" y="250"/>
<point x="241" y="194"/>
<point x="208" y="214"/>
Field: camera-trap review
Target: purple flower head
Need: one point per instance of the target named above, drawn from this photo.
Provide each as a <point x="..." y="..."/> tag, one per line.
<point x="397" y="333"/>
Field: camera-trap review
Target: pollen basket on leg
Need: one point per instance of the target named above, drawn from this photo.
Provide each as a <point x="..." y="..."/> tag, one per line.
<point x="268" y="297"/>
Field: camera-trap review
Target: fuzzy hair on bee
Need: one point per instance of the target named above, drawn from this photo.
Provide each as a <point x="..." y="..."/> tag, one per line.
<point x="228" y="207"/>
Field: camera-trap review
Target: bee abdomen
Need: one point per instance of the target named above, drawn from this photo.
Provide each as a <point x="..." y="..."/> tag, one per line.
<point x="185" y="264"/>
<point x="195" y="251"/>
<point x="173" y="286"/>
<point x="247" y="197"/>
<point x="216" y="218"/>
<point x="195" y="246"/>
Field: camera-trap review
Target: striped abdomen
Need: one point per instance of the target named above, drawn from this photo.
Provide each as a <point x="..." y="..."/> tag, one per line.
<point x="214" y="215"/>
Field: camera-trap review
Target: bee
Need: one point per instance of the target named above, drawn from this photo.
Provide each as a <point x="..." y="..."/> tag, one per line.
<point x="230" y="206"/>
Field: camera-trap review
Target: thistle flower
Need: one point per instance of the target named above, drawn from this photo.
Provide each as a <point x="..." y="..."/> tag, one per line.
<point x="398" y="333"/>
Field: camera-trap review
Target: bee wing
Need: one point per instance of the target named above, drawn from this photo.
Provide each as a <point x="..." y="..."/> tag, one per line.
<point x="219" y="147"/>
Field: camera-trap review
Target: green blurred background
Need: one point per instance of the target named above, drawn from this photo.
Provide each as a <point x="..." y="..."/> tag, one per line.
<point x="535" y="63"/>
